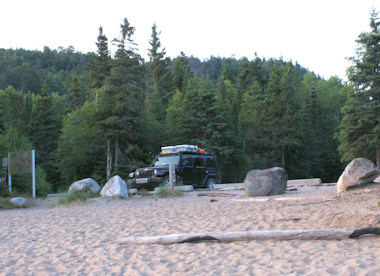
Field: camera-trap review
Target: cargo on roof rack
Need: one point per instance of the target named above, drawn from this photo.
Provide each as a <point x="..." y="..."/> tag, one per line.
<point x="181" y="148"/>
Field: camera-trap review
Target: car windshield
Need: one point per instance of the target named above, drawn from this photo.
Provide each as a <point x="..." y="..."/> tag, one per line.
<point x="166" y="161"/>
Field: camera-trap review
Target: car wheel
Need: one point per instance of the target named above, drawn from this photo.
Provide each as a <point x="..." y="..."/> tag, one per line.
<point x="210" y="183"/>
<point x="166" y="181"/>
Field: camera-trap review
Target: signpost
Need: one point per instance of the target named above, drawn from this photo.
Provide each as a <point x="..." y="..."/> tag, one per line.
<point x="172" y="176"/>
<point x="22" y="162"/>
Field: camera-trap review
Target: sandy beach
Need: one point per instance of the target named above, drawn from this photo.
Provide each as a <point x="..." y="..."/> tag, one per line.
<point x="82" y="239"/>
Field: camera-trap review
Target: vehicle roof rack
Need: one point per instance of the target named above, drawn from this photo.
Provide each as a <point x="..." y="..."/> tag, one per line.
<point x="181" y="148"/>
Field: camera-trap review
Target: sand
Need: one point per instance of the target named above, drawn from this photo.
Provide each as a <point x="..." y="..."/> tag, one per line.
<point x="82" y="239"/>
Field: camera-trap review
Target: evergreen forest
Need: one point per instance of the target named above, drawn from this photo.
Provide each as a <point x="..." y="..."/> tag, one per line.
<point x="106" y="113"/>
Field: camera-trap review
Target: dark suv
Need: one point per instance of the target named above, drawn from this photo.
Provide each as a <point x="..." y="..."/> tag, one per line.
<point x="199" y="169"/>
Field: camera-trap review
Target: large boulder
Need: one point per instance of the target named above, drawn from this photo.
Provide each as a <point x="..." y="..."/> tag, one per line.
<point x="267" y="182"/>
<point x="18" y="201"/>
<point x="358" y="172"/>
<point x="85" y="184"/>
<point x="115" y="188"/>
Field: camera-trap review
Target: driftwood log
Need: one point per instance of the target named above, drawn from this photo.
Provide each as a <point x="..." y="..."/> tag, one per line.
<point x="217" y="194"/>
<point x="321" y="234"/>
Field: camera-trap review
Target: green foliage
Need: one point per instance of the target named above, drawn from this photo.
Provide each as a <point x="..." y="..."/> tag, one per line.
<point x="144" y="192"/>
<point x="75" y="96"/>
<point x="360" y="128"/>
<point x="79" y="146"/>
<point x="252" y="114"/>
<point x="167" y="192"/>
<point x="4" y="191"/>
<point x="5" y="204"/>
<point x="43" y="187"/>
<point x="74" y="197"/>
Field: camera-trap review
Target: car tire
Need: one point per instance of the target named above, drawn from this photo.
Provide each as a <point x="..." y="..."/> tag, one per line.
<point x="165" y="181"/>
<point x="210" y="184"/>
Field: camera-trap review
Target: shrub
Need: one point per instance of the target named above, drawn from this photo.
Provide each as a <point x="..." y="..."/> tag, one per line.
<point x="75" y="196"/>
<point x="4" y="191"/>
<point x="43" y="187"/>
<point x="164" y="191"/>
<point x="5" y="203"/>
<point x="144" y="192"/>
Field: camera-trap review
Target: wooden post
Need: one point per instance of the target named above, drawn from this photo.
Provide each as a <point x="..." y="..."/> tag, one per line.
<point x="172" y="176"/>
<point x="9" y="174"/>
<point x="34" y="172"/>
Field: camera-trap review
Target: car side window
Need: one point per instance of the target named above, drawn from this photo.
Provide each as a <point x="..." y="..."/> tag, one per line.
<point x="199" y="162"/>
<point x="187" y="161"/>
<point x="210" y="162"/>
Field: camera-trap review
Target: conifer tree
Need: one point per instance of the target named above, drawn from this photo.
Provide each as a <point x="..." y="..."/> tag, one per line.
<point x="360" y="128"/>
<point x="122" y="104"/>
<point x="99" y="65"/>
<point x="156" y="97"/>
<point x="181" y="72"/>
<point x="45" y="127"/>
<point x="280" y="114"/>
<point x="74" y="94"/>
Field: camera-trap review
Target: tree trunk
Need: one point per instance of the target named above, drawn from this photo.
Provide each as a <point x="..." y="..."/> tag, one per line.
<point x="96" y="99"/>
<point x="109" y="158"/>
<point x="283" y="155"/>
<point x="117" y="151"/>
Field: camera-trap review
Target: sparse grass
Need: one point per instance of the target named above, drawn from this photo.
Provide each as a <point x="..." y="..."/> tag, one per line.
<point x="73" y="197"/>
<point x="166" y="192"/>
<point x="144" y="192"/>
<point x="5" y="204"/>
<point x="370" y="208"/>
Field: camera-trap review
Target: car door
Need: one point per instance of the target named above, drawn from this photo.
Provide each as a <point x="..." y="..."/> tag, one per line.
<point x="187" y="169"/>
<point x="200" y="169"/>
<point x="211" y="168"/>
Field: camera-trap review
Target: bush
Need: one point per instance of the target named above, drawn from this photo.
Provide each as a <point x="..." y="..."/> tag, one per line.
<point x="43" y="187"/>
<point x="22" y="183"/>
<point x="5" y="203"/>
<point x="75" y="196"/>
<point x="144" y="192"/>
<point x="165" y="191"/>
<point x="4" y="191"/>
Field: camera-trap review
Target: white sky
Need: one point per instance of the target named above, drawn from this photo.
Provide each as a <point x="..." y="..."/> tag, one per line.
<point x="317" y="34"/>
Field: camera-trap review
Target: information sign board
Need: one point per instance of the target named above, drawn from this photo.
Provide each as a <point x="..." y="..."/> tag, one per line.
<point x="21" y="162"/>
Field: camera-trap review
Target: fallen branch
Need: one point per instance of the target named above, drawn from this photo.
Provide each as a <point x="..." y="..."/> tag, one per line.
<point x="325" y="234"/>
<point x="216" y="194"/>
<point x="323" y="184"/>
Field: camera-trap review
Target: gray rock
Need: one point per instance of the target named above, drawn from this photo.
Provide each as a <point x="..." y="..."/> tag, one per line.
<point x="87" y="183"/>
<point x="358" y="172"/>
<point x="267" y="182"/>
<point x="18" y="201"/>
<point x="115" y="188"/>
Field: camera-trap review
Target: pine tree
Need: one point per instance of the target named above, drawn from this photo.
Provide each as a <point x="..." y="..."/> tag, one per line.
<point x="122" y="104"/>
<point x="181" y="72"/>
<point x="74" y="94"/>
<point x="45" y="128"/>
<point x="279" y="133"/>
<point x="360" y="129"/>
<point x="99" y="65"/>
<point x="257" y="71"/>
<point x="156" y="97"/>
